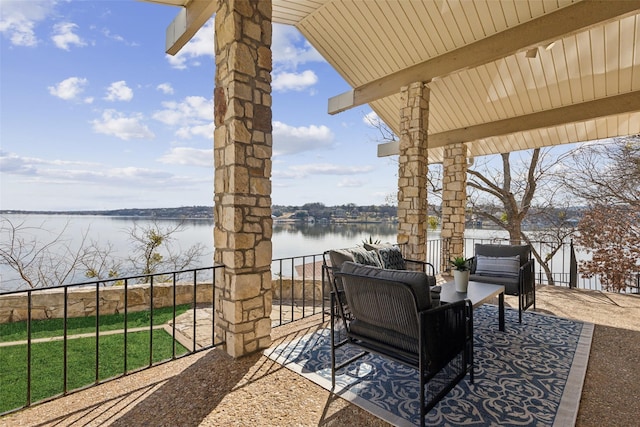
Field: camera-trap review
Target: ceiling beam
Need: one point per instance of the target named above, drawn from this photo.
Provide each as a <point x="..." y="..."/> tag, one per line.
<point x="187" y="23"/>
<point x="603" y="107"/>
<point x="544" y="29"/>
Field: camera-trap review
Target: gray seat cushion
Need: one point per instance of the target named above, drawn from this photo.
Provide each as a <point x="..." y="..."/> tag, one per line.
<point x="417" y="280"/>
<point x="510" y="284"/>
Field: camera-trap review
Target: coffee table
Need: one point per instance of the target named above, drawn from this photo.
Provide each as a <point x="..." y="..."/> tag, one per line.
<point x="478" y="293"/>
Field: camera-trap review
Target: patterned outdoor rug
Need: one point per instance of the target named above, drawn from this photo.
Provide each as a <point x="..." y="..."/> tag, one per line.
<point x="532" y="374"/>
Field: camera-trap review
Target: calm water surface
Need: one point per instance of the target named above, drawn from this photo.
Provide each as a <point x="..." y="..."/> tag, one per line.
<point x="289" y="240"/>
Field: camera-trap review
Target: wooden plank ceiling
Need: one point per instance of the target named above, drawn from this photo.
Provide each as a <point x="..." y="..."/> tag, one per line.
<point x="504" y="75"/>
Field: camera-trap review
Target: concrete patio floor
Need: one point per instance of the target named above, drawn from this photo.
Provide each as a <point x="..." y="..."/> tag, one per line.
<point x="211" y="389"/>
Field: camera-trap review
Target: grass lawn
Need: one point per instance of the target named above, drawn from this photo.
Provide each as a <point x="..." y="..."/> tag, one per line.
<point x="17" y="331"/>
<point x="47" y="374"/>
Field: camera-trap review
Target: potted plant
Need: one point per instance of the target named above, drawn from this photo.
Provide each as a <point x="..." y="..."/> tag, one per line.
<point x="460" y="273"/>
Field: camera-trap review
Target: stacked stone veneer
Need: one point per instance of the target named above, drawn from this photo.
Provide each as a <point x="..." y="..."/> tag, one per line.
<point x="412" y="170"/>
<point x="454" y="199"/>
<point x="242" y="158"/>
<point x="82" y="302"/>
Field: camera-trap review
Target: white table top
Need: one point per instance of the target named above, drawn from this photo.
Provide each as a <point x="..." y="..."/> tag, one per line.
<point x="477" y="292"/>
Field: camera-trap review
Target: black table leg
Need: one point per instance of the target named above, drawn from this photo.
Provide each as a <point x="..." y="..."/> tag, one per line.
<point x="501" y="311"/>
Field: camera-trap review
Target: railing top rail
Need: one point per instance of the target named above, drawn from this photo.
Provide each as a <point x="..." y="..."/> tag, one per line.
<point x="113" y="279"/>
<point x="296" y="257"/>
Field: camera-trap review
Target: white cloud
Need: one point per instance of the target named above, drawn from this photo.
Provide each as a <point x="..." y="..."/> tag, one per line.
<point x="371" y="119"/>
<point x="351" y="183"/>
<point x="193" y="109"/>
<point x="69" y="89"/>
<point x="117" y="124"/>
<point x="165" y="88"/>
<point x="44" y="171"/>
<point x="301" y="171"/>
<point x="19" y="19"/>
<point x="64" y="36"/>
<point x="290" y="49"/>
<point x="107" y="33"/>
<point x="131" y="173"/>
<point x="193" y="115"/>
<point x="115" y="177"/>
<point x="202" y="44"/>
<point x="189" y="157"/>
<point x="119" y="91"/>
<point x="205" y="131"/>
<point x="290" y="140"/>
<point x="11" y="163"/>
<point x="294" y="81"/>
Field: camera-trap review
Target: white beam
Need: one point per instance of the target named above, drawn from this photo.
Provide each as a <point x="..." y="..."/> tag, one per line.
<point x="543" y="30"/>
<point x="389" y="149"/>
<point x="187" y="23"/>
<point x="603" y="107"/>
<point x="341" y="102"/>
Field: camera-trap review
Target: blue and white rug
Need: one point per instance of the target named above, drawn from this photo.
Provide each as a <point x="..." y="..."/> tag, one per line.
<point x="530" y="375"/>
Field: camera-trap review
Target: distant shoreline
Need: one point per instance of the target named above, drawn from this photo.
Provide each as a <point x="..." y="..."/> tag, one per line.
<point x="186" y="212"/>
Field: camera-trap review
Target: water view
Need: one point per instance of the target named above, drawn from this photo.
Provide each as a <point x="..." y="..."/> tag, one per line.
<point x="289" y="239"/>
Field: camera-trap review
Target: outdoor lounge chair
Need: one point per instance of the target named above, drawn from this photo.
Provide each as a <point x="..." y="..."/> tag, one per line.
<point x="391" y="314"/>
<point x="508" y="265"/>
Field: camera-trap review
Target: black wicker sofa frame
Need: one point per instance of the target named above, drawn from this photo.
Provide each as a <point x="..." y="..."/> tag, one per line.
<point x="390" y="313"/>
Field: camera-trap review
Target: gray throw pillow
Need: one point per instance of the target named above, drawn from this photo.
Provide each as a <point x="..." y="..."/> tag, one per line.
<point x="376" y="246"/>
<point x="339" y="257"/>
<point x="498" y="266"/>
<point x="391" y="258"/>
<point x="363" y="256"/>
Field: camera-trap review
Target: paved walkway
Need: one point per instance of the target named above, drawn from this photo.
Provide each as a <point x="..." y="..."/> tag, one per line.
<point x="76" y="336"/>
<point x="185" y="329"/>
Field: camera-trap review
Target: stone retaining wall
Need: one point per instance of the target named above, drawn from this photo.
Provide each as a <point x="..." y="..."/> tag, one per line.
<point x="308" y="292"/>
<point x="49" y="303"/>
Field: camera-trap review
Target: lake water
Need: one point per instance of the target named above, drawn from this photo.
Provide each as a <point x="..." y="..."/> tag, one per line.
<point x="288" y="240"/>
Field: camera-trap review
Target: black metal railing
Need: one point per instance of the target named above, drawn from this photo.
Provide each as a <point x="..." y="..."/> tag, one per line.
<point x="297" y="292"/>
<point x="101" y="326"/>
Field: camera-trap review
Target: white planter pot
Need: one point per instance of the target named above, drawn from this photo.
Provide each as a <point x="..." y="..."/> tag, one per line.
<point x="461" y="278"/>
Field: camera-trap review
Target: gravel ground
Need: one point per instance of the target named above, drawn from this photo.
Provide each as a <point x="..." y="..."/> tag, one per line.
<point x="212" y="389"/>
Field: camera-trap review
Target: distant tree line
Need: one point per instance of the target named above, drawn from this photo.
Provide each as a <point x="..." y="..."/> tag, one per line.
<point x="321" y="211"/>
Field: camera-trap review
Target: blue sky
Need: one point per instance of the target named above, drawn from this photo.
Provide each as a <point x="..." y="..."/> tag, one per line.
<point x="94" y="114"/>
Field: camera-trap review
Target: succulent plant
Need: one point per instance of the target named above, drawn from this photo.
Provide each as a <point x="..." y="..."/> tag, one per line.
<point x="460" y="263"/>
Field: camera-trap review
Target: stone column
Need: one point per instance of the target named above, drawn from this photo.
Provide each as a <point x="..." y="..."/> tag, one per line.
<point x="412" y="170"/>
<point x="242" y="157"/>
<point x="454" y="200"/>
